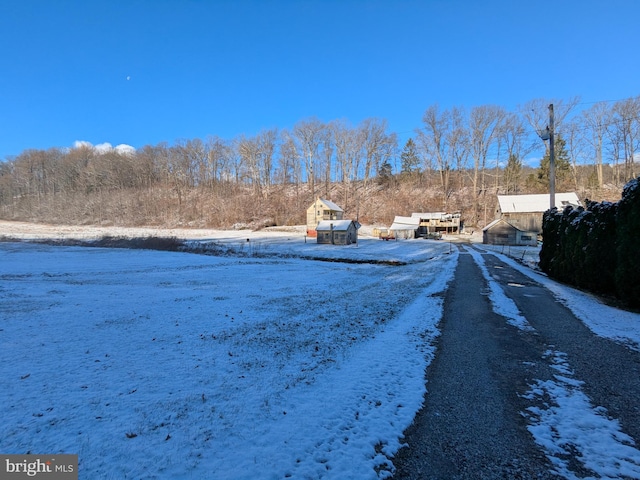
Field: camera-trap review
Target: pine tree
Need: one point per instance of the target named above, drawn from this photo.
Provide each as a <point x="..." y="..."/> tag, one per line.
<point x="385" y="173"/>
<point x="409" y="158"/>
<point x="561" y="157"/>
<point x="512" y="173"/>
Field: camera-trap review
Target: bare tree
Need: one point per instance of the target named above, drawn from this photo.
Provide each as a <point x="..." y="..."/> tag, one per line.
<point x="248" y="149"/>
<point x="377" y="144"/>
<point x="289" y="170"/>
<point x="615" y="150"/>
<point x="268" y="140"/>
<point x="536" y="112"/>
<point x="575" y="143"/>
<point x="458" y="140"/>
<point x="517" y="145"/>
<point x="327" y="158"/>
<point x="594" y="121"/>
<point x="626" y="119"/>
<point x="347" y="142"/>
<point x="434" y="140"/>
<point x="485" y="124"/>
<point x="217" y="160"/>
<point x="309" y="134"/>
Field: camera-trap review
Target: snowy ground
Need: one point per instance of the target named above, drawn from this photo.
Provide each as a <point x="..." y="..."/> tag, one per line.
<point x="174" y="365"/>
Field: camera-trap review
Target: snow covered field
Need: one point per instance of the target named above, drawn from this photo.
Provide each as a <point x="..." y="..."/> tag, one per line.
<point x="174" y="365"/>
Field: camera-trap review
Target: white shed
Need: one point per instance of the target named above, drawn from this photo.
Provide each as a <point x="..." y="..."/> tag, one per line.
<point x="405" y="227"/>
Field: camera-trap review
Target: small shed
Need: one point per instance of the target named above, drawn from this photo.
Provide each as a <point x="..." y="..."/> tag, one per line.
<point x="501" y="232"/>
<point x="337" y="232"/>
<point x="525" y="211"/>
<point x="405" y="227"/>
<point x="321" y="210"/>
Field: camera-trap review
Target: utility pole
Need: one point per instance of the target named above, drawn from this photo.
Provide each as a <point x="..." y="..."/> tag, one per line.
<point x="552" y="161"/>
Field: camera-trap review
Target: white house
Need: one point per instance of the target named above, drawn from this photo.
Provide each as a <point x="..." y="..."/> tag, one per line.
<point x="321" y="210"/>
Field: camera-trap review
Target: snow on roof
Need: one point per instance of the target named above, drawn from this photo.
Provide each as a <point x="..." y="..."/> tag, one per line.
<point x="330" y="204"/>
<point x="535" y="203"/>
<point x="442" y="216"/>
<point x="405" y="223"/>
<point x="429" y="215"/>
<point x="498" y="220"/>
<point x="338" y="225"/>
<point x="491" y="224"/>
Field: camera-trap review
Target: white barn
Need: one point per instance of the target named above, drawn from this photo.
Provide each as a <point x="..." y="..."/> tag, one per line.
<point x="525" y="211"/>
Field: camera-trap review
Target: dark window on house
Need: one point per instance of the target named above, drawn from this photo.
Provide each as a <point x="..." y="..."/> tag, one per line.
<point x="526" y="237"/>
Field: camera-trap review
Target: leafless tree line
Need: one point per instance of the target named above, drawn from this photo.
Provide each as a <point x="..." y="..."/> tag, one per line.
<point x="484" y="148"/>
<point x="311" y="151"/>
<point x="480" y="152"/>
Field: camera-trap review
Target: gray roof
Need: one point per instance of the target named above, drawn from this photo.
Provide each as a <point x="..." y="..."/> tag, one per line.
<point x="330" y="204"/>
<point x="501" y="220"/>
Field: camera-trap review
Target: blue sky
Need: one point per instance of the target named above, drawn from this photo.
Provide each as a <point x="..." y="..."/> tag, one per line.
<point x="148" y="71"/>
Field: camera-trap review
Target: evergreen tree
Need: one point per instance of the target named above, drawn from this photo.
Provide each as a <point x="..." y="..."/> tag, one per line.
<point x="385" y="173"/>
<point x="512" y="173"/>
<point x="561" y="156"/>
<point x="409" y="158"/>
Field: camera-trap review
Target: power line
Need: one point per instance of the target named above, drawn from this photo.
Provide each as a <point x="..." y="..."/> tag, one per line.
<point x="603" y="125"/>
<point x="609" y="101"/>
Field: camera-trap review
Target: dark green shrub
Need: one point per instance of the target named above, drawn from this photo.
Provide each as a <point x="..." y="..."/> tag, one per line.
<point x="597" y="247"/>
<point x="600" y="251"/>
<point x="627" y="276"/>
<point x="551" y="244"/>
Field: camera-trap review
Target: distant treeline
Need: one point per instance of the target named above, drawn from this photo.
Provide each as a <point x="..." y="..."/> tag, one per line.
<point x="458" y="160"/>
<point x="597" y="247"/>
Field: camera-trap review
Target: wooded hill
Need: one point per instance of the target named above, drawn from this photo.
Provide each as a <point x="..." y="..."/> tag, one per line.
<point x="457" y="161"/>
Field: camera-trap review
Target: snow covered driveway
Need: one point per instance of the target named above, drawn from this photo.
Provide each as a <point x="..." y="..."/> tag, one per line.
<point x="518" y="378"/>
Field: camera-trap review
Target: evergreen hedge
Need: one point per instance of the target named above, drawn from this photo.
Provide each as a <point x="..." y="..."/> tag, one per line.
<point x="627" y="275"/>
<point x="596" y="247"/>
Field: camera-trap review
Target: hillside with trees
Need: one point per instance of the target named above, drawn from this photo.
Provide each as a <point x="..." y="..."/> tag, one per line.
<point x="457" y="160"/>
